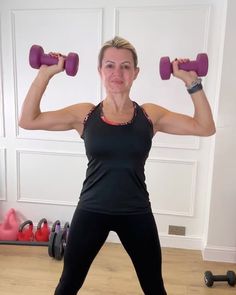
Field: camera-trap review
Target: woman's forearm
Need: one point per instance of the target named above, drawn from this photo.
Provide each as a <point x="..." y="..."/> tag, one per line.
<point x="203" y="119"/>
<point x="202" y="112"/>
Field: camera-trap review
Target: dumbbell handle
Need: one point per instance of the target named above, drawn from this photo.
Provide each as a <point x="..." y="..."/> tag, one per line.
<point x="47" y="59"/>
<point x="188" y="66"/>
<point x="219" y="278"/>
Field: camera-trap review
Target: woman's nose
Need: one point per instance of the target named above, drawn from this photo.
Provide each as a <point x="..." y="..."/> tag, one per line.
<point x="118" y="71"/>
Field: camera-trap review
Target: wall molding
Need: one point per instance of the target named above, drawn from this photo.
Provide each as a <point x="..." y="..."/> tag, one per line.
<point x="66" y="136"/>
<point x="187" y="143"/>
<point x="219" y="254"/>
<point x="2" y="121"/>
<point x="193" y="146"/>
<point x="47" y="201"/>
<point x="181" y="242"/>
<point x="194" y="165"/>
<point x="3" y="176"/>
<point x="169" y="241"/>
<point x="207" y="7"/>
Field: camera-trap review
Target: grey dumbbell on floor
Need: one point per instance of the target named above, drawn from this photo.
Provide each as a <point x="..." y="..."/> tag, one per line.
<point x="230" y="277"/>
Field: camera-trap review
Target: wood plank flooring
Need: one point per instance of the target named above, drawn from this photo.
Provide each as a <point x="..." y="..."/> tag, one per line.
<point x="26" y="270"/>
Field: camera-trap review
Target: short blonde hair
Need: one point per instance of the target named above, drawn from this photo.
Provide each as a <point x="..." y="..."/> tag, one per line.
<point x="119" y="43"/>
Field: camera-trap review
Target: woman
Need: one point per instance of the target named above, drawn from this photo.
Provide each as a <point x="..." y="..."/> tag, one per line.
<point x="118" y="135"/>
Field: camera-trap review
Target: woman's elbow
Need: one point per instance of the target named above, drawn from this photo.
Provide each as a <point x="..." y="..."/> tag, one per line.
<point x="25" y="124"/>
<point x="209" y="131"/>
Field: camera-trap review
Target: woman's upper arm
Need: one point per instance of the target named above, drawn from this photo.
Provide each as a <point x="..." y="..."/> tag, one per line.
<point x="170" y="122"/>
<point x="68" y="118"/>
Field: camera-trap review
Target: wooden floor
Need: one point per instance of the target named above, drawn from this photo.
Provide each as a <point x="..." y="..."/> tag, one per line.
<point x="30" y="271"/>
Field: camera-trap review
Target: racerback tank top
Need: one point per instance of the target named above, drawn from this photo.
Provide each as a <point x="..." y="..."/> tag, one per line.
<point x="115" y="179"/>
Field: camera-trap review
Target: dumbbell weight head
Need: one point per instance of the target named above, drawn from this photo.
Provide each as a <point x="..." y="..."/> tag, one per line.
<point x="60" y="242"/>
<point x="54" y="230"/>
<point x="208" y="278"/>
<point x="37" y="57"/>
<point x="72" y="64"/>
<point x="202" y="62"/>
<point x="200" y="66"/>
<point x="165" y="68"/>
<point x="231" y="278"/>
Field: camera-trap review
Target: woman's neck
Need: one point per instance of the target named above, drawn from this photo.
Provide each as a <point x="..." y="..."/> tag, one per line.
<point x="118" y="103"/>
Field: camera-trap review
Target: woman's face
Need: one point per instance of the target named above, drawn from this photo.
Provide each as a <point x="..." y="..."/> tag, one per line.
<point x="117" y="71"/>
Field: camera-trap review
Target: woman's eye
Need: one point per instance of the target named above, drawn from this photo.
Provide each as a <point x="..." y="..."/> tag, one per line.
<point x="109" y="66"/>
<point x="126" y="67"/>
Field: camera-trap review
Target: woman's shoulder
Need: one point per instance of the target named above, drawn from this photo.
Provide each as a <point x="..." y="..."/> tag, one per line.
<point x="82" y="108"/>
<point x="151" y="108"/>
<point x="154" y="112"/>
<point x="85" y="106"/>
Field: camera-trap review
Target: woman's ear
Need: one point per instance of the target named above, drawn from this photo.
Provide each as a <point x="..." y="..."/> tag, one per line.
<point x="99" y="71"/>
<point x="136" y="72"/>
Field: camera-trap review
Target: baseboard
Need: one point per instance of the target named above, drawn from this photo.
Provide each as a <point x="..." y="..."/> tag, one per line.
<point x="219" y="254"/>
<point x="181" y="242"/>
<point x="113" y="238"/>
<point x="169" y="241"/>
<point x="209" y="253"/>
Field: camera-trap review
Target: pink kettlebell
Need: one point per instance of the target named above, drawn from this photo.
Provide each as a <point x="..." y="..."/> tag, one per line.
<point x="9" y="227"/>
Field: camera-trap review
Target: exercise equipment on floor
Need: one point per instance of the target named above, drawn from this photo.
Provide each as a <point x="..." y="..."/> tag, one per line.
<point x="13" y="233"/>
<point x="200" y="66"/>
<point x="37" y="57"/>
<point x="43" y="231"/>
<point x="9" y="227"/>
<point x="26" y="231"/>
<point x="58" y="239"/>
<point x="230" y="278"/>
<point x="56" y="227"/>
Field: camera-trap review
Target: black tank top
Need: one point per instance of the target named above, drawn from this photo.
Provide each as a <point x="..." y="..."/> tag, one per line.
<point x="115" y="179"/>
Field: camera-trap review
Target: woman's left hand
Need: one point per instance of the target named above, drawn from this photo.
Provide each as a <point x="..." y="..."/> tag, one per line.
<point x="186" y="76"/>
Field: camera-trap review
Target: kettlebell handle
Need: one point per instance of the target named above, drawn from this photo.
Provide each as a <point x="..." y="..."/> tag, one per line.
<point x="41" y="222"/>
<point x="27" y="222"/>
<point x="56" y="226"/>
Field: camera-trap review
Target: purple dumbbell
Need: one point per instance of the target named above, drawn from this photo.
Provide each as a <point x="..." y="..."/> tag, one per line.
<point x="200" y="66"/>
<point x="37" y="57"/>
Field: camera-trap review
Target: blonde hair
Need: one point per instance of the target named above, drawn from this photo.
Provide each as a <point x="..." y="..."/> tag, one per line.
<point x="119" y="43"/>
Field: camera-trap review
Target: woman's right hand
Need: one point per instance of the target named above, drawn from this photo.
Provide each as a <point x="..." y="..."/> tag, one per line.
<point x="49" y="71"/>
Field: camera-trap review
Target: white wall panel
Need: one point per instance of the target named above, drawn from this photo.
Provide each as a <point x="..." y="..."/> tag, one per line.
<point x="2" y="131"/>
<point x="50" y="177"/>
<point x="3" y="180"/>
<point x="158" y="31"/>
<point x="59" y="30"/>
<point x="45" y="170"/>
<point x="176" y="142"/>
<point x="172" y="186"/>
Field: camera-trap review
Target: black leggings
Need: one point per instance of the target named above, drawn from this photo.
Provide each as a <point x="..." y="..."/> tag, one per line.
<point x="88" y="232"/>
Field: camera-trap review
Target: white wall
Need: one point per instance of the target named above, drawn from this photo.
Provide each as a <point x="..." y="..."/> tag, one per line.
<point x="41" y="173"/>
<point x="221" y="235"/>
